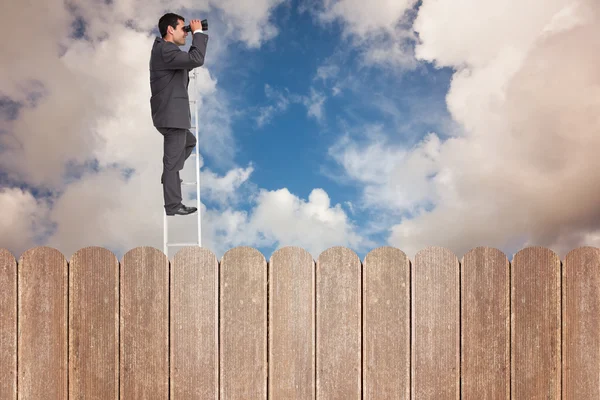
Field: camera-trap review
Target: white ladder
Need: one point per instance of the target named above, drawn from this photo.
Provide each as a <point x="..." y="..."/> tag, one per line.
<point x="196" y="155"/>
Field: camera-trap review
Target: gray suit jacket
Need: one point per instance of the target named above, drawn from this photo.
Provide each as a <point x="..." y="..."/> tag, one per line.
<point x="169" y="80"/>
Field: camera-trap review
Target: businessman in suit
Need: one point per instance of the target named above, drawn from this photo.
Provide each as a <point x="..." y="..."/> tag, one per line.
<point x="169" y="80"/>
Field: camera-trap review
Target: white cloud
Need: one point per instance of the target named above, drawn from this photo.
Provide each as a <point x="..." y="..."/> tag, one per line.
<point x="281" y="100"/>
<point x="280" y="103"/>
<point x="378" y="28"/>
<point x="315" y="104"/>
<point x="224" y="190"/>
<point x="23" y="219"/>
<point x="85" y="120"/>
<point x="363" y="17"/>
<point x="523" y="170"/>
<point x="327" y="72"/>
<point x="281" y="218"/>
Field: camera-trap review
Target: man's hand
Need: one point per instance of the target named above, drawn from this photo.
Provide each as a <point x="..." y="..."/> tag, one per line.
<point x="195" y="24"/>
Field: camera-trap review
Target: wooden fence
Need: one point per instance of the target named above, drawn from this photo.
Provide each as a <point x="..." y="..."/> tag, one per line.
<point x="387" y="328"/>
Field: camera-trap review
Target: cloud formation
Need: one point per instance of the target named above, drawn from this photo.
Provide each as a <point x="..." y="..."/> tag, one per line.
<point x="382" y="31"/>
<point x="522" y="171"/>
<point x="81" y="161"/>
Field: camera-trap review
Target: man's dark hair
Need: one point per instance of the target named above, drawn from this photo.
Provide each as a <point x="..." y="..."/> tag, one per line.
<point x="167" y="20"/>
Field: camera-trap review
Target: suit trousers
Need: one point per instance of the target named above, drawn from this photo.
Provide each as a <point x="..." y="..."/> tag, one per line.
<point x="178" y="145"/>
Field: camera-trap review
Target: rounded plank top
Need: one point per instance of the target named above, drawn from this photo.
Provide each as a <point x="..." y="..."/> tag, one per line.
<point x="535" y="323"/>
<point x="194" y="254"/>
<point x="95" y="253"/>
<point x="194" y="324"/>
<point x="144" y="324"/>
<point x="338" y="308"/>
<point x="386" y="324"/>
<point x="290" y="254"/>
<point x="533" y="253"/>
<point x="43" y="310"/>
<point x="485" y="321"/>
<point x="243" y="324"/>
<point x="94" y="324"/>
<point x="385" y="253"/>
<point x="436" y="322"/>
<point x="490" y="254"/>
<point x="243" y="254"/>
<point x="144" y="254"/>
<point x="333" y="256"/>
<point x="43" y="255"/>
<point x="437" y="255"/>
<point x="291" y="324"/>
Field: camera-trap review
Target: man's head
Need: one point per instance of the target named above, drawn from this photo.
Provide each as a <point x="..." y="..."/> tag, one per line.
<point x="171" y="28"/>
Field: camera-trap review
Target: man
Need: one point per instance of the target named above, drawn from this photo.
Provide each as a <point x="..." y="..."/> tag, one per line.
<point x="169" y="80"/>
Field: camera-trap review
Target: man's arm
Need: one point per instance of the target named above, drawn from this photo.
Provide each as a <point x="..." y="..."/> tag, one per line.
<point x="174" y="58"/>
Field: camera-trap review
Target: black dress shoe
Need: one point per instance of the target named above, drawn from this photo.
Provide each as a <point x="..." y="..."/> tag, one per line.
<point x="183" y="210"/>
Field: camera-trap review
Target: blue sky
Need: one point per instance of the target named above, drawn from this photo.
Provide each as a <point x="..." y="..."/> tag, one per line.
<point x="323" y="123"/>
<point x="291" y="150"/>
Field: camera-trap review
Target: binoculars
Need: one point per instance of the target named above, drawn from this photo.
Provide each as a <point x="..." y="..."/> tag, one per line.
<point x="204" y="23"/>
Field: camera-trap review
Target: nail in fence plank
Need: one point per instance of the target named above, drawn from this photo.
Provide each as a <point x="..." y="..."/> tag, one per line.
<point x="8" y="326"/>
<point x="194" y="324"/>
<point x="42" y="321"/>
<point x="581" y="308"/>
<point x="94" y="324"/>
<point x="291" y="324"/>
<point x="436" y="337"/>
<point x="243" y="325"/>
<point x="144" y="324"/>
<point x="338" y="324"/>
<point x="386" y="325"/>
<point x="535" y="325"/>
<point x="485" y="334"/>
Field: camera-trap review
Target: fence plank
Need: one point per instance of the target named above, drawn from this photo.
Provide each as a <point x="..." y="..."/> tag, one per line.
<point x="436" y="331"/>
<point x="42" y="321"/>
<point x="535" y="324"/>
<point x="144" y="324"/>
<point x="194" y="324"/>
<point x="386" y="324"/>
<point x="485" y="319"/>
<point x="291" y="324"/>
<point x="94" y="324"/>
<point x="243" y="322"/>
<point x="581" y="325"/>
<point x="8" y="325"/>
<point x="338" y="288"/>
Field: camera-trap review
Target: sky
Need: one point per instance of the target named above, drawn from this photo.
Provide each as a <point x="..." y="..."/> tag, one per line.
<point x="322" y="123"/>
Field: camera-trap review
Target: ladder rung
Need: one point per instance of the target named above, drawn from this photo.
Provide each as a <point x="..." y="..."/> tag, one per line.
<point x="182" y="244"/>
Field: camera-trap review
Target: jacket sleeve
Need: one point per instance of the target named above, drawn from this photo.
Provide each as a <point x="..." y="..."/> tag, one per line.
<point x="174" y="58"/>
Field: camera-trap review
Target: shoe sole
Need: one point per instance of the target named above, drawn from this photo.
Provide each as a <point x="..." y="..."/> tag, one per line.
<point x="170" y="215"/>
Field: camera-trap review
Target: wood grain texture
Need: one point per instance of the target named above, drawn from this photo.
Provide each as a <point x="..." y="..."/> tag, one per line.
<point x="42" y="322"/>
<point x="338" y="288"/>
<point x="436" y="330"/>
<point x="8" y="325"/>
<point x="386" y="325"/>
<point x="536" y="324"/>
<point x="94" y="325"/>
<point x="291" y="324"/>
<point x="581" y="324"/>
<point x="243" y="325"/>
<point x="194" y="324"/>
<point x="485" y="321"/>
<point x="144" y="325"/>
